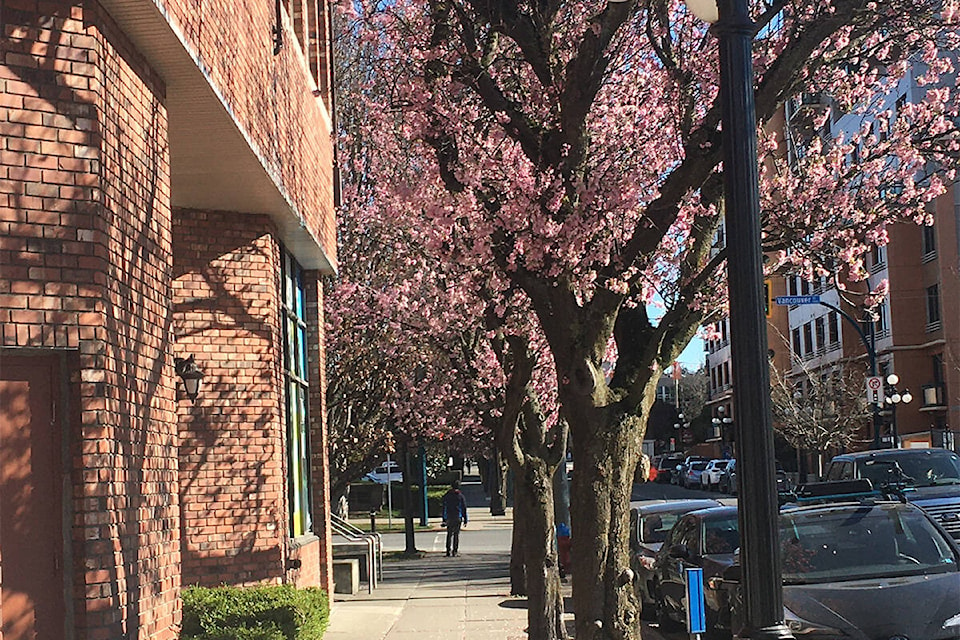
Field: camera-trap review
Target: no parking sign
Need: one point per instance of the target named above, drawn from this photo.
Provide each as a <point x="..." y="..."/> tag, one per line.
<point x="874" y="389"/>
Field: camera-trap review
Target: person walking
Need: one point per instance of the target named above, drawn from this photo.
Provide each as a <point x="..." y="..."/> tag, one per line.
<point x="454" y="514"/>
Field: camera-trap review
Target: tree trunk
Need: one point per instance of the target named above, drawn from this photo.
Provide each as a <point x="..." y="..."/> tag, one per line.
<point x="534" y="498"/>
<point x="518" y="575"/>
<point x="605" y="456"/>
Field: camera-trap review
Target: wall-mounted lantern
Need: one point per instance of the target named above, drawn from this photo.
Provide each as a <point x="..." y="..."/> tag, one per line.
<point x="191" y="375"/>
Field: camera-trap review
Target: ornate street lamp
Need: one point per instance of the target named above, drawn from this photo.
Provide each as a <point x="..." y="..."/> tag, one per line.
<point x="756" y="472"/>
<point x="893" y="397"/>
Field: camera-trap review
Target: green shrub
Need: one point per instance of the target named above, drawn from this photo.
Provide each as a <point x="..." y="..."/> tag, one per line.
<point x="270" y="612"/>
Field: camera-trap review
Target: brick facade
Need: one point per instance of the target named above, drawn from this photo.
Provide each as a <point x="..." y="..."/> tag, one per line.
<point x="85" y="261"/>
<point x="94" y="265"/>
<point x="226" y="285"/>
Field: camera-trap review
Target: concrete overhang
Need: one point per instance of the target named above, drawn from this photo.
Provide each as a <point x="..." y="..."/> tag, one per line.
<point x="214" y="164"/>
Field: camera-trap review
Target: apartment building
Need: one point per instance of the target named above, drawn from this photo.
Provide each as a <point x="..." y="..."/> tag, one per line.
<point x="914" y="333"/>
<point x="166" y="213"/>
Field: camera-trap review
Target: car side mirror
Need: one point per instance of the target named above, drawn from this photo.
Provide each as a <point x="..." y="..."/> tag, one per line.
<point x="732" y="573"/>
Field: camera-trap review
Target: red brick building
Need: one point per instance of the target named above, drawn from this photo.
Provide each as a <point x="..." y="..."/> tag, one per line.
<point x="166" y="190"/>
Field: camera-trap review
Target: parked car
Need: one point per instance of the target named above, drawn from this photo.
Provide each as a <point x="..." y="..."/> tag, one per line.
<point x="386" y="472"/>
<point x="649" y="526"/>
<point x="710" y="478"/>
<point x="691" y="477"/>
<point x="667" y="467"/>
<point x="850" y="570"/>
<point x="728" y="479"/>
<point x="707" y="539"/>
<point x="930" y="478"/>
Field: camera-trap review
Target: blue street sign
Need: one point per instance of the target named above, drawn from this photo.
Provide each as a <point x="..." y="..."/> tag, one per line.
<point x="785" y="300"/>
<point x="696" y="609"/>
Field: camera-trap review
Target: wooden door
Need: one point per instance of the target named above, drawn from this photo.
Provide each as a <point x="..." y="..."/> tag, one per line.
<point x="31" y="504"/>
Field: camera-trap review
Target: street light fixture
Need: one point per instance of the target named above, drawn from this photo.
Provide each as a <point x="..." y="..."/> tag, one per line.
<point x="756" y="473"/>
<point x="893" y="397"/>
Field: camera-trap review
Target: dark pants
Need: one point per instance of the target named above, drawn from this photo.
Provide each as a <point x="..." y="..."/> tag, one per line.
<point x="453" y="537"/>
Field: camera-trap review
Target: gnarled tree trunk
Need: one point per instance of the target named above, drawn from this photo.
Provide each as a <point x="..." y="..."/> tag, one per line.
<point x="604" y="599"/>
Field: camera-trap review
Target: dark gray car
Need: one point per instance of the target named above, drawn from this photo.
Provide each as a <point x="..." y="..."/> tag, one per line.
<point x="929" y="478"/>
<point x="863" y="571"/>
<point x="707" y="539"/>
<point x="649" y="526"/>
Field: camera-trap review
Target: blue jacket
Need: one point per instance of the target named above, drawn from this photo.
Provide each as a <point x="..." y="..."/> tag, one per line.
<point x="453" y="503"/>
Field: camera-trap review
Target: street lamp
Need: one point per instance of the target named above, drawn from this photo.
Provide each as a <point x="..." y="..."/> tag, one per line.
<point x="679" y="426"/>
<point x="893" y="397"/>
<point x="721" y="426"/>
<point x="756" y="472"/>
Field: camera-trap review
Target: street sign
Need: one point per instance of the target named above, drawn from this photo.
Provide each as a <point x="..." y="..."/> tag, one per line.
<point x="874" y="389"/>
<point x="785" y="300"/>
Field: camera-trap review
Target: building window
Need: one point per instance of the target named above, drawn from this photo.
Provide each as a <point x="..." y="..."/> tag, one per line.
<point x="878" y="258"/>
<point x="807" y="339"/>
<point x="834" y="327"/>
<point x="933" y="307"/>
<point x="928" y="242"/>
<point x="726" y="373"/>
<point x="797" y="352"/>
<point x="938" y="368"/>
<point x="804" y="288"/>
<point x="296" y="387"/>
<point x="821" y="333"/>
<point x="792" y="286"/>
<point x="881" y="326"/>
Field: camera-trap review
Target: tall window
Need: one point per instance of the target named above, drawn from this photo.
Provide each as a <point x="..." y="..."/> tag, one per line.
<point x="807" y="338"/>
<point x="933" y="307"/>
<point x="834" y="327"/>
<point x="797" y="352"/>
<point x="296" y="386"/>
<point x="937" y="361"/>
<point x="928" y="242"/>
<point x="821" y="333"/>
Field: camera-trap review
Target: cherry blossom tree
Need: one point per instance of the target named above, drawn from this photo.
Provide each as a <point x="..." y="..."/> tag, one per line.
<point x="571" y="151"/>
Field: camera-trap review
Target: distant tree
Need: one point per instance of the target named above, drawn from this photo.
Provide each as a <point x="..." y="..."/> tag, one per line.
<point x="820" y="409"/>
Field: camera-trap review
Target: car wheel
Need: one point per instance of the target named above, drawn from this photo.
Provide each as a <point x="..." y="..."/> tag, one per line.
<point x="667" y="624"/>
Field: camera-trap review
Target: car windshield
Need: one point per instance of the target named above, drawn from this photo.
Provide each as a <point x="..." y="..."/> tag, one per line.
<point x="656" y="526"/>
<point x="855" y="543"/>
<point x="698" y="466"/>
<point x="923" y="469"/>
<point x="721" y="536"/>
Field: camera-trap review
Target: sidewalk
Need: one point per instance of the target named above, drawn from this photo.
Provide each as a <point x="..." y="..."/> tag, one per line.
<point x="440" y="598"/>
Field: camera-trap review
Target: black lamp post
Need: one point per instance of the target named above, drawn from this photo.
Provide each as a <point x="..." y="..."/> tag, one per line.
<point x="721" y="426"/>
<point x="892" y="397"/>
<point x="756" y="472"/>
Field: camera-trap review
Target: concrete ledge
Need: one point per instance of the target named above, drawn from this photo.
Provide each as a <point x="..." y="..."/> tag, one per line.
<point x="346" y="575"/>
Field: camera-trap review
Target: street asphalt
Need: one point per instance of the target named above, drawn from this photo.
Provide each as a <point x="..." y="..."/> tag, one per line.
<point x="462" y="598"/>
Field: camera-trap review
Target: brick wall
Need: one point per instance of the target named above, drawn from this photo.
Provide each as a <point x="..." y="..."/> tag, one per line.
<point x="226" y="301"/>
<point x="270" y="97"/>
<point x="84" y="255"/>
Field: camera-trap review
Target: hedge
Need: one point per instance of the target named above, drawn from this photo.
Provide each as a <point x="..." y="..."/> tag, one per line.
<point x="269" y="612"/>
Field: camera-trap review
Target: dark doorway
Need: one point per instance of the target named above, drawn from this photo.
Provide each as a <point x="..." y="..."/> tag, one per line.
<point x="31" y="504"/>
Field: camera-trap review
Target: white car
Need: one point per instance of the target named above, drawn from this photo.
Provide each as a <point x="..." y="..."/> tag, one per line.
<point x="710" y="478"/>
<point x="386" y="472"/>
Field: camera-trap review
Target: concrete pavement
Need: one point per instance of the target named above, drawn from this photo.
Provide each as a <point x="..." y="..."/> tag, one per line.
<point x="439" y="598"/>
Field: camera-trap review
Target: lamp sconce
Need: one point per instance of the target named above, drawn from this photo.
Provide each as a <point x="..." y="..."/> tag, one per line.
<point x="191" y="375"/>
